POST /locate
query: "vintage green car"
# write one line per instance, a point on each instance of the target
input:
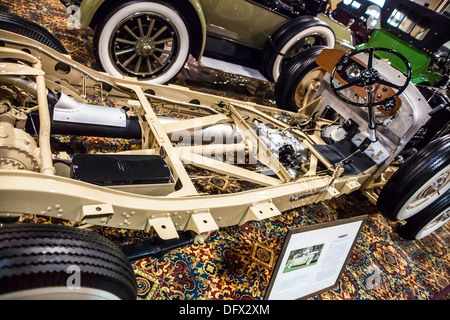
(151, 40)
(418, 33)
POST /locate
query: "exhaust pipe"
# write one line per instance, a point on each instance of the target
(70, 117)
(68, 110)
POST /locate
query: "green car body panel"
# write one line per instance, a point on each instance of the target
(87, 10)
(420, 60)
(344, 40)
(250, 24)
(416, 32)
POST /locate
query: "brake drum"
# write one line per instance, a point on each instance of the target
(18, 150)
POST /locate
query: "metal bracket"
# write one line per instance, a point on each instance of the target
(155, 246)
(331, 192)
(350, 186)
(96, 213)
(163, 226)
(259, 212)
(201, 221)
(371, 195)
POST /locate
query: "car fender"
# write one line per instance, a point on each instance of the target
(88, 8)
(201, 18)
(344, 39)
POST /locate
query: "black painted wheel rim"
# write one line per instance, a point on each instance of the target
(144, 45)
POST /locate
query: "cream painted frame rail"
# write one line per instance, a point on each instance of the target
(44, 193)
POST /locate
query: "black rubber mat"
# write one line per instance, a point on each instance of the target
(334, 153)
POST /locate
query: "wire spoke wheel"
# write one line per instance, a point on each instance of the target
(144, 45)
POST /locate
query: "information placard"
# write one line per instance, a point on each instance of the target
(312, 258)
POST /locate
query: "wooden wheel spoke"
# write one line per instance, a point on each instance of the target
(131, 32)
(163, 51)
(164, 41)
(124, 41)
(128, 61)
(160, 31)
(150, 28)
(121, 52)
(138, 64)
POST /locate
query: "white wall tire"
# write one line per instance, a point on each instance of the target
(434, 224)
(60, 293)
(299, 80)
(112, 49)
(428, 220)
(418, 183)
(291, 39)
(426, 194)
(322, 32)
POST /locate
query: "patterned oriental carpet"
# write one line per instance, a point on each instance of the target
(238, 262)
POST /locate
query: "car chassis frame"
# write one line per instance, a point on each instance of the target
(184, 209)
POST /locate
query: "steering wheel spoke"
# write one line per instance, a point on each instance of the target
(389, 84)
(353, 82)
(370, 62)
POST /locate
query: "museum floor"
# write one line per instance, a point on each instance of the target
(237, 262)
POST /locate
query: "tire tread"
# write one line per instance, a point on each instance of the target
(407, 180)
(36, 255)
(13, 23)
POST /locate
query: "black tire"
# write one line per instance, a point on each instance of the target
(120, 53)
(412, 187)
(286, 43)
(37, 257)
(428, 220)
(292, 75)
(13, 219)
(13, 23)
